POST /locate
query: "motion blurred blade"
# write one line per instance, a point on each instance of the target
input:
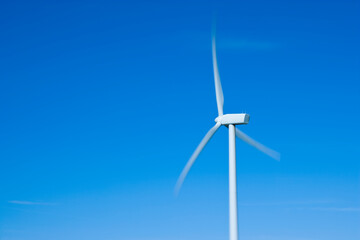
(193, 157)
(218, 88)
(257, 145)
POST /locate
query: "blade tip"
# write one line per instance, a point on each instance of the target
(177, 187)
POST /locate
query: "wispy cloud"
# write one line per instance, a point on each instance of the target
(29, 202)
(287, 203)
(315, 205)
(266, 237)
(338, 209)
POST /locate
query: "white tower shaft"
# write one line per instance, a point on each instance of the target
(233, 218)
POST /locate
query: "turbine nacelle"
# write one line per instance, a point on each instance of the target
(235, 119)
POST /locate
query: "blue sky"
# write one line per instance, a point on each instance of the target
(103, 102)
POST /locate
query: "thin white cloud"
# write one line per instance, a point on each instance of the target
(305, 205)
(285, 203)
(29, 203)
(266, 237)
(337, 209)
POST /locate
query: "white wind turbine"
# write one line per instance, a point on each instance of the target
(229, 121)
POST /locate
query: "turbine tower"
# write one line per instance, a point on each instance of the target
(229, 121)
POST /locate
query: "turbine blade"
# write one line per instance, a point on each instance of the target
(218, 88)
(257, 145)
(193, 157)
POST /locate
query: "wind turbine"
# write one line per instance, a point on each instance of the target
(229, 121)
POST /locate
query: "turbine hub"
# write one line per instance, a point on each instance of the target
(234, 119)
